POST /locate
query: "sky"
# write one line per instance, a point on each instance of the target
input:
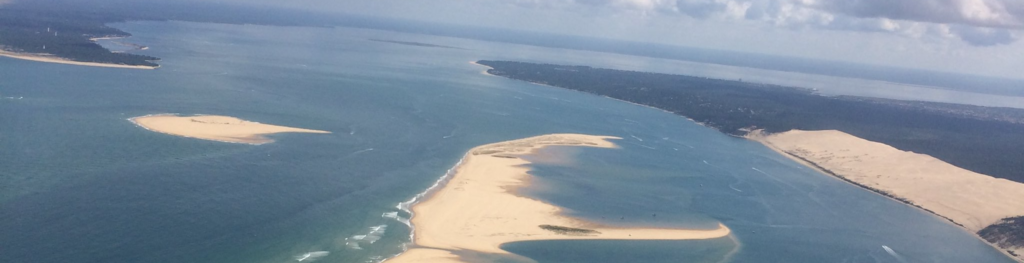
(967, 36)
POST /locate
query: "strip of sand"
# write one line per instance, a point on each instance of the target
(477, 211)
(971, 200)
(482, 65)
(214, 128)
(42, 57)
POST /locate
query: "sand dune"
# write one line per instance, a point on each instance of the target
(215, 128)
(476, 210)
(969, 199)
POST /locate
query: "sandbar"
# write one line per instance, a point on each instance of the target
(43, 57)
(214, 128)
(477, 210)
(969, 199)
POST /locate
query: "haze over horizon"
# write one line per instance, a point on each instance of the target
(978, 37)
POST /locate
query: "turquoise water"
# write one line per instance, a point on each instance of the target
(79, 183)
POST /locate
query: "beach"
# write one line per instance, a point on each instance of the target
(53, 59)
(968, 199)
(215, 128)
(484, 72)
(478, 209)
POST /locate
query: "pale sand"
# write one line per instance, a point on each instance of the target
(477, 211)
(215, 128)
(482, 65)
(969, 199)
(54, 59)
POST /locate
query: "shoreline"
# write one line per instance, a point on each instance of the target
(214, 128)
(902, 194)
(42, 57)
(484, 72)
(474, 209)
(626, 101)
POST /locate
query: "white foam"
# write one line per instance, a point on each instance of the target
(407, 205)
(374, 234)
(396, 217)
(311, 256)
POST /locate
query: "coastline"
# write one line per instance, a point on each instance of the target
(214, 128)
(473, 210)
(938, 209)
(484, 72)
(966, 199)
(626, 101)
(54, 59)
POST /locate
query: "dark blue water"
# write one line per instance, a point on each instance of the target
(80, 183)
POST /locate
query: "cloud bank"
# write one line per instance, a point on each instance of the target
(976, 22)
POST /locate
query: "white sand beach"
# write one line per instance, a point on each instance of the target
(478, 211)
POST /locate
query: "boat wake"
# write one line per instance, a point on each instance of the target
(311, 256)
(893, 254)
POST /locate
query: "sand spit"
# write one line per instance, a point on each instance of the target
(43, 57)
(214, 128)
(477, 211)
(484, 72)
(971, 200)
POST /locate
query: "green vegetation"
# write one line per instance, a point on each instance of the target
(561, 230)
(65, 27)
(1007, 233)
(981, 139)
(32, 31)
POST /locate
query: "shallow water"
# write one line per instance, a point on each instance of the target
(80, 183)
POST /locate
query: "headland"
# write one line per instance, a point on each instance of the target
(49, 58)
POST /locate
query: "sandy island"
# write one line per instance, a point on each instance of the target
(43, 57)
(971, 200)
(477, 210)
(214, 128)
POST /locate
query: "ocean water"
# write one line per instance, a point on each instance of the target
(80, 183)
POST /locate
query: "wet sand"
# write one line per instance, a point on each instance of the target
(477, 210)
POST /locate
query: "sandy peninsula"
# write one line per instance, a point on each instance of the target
(971, 200)
(43, 57)
(214, 128)
(486, 68)
(477, 210)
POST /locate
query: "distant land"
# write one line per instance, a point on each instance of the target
(418, 44)
(63, 31)
(980, 139)
(82, 20)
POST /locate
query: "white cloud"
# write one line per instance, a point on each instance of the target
(977, 22)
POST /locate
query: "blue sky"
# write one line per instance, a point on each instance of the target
(967, 36)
